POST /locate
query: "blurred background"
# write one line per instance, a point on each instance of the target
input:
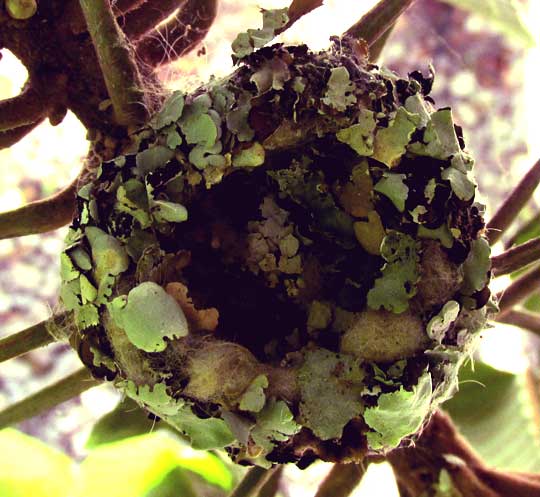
(487, 64)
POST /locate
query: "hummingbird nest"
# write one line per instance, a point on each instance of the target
(289, 262)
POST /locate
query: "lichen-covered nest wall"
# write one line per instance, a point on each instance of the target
(289, 262)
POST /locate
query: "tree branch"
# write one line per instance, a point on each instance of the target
(271, 487)
(73, 16)
(440, 447)
(120, 72)
(40, 216)
(24, 341)
(51, 396)
(378, 20)
(145, 19)
(526, 320)
(523, 229)
(516, 258)
(9, 138)
(521, 288)
(180, 35)
(252, 482)
(24, 109)
(341, 481)
(510, 208)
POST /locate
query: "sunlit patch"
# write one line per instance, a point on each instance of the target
(504, 347)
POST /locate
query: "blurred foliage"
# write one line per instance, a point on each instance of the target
(504, 15)
(149, 465)
(494, 410)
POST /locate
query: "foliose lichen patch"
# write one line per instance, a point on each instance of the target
(288, 262)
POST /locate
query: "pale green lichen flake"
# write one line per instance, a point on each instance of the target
(398, 414)
(339, 90)
(476, 267)
(399, 275)
(253, 398)
(359, 136)
(392, 186)
(148, 314)
(391, 142)
(330, 386)
(170, 112)
(108, 254)
(439, 324)
(275, 423)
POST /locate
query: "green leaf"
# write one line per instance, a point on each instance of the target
(398, 414)
(132, 467)
(399, 275)
(476, 267)
(339, 90)
(331, 386)
(170, 112)
(390, 143)
(29, 467)
(175, 483)
(392, 186)
(148, 315)
(126, 420)
(506, 16)
(359, 136)
(495, 411)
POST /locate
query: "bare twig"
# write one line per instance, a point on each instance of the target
(516, 258)
(51, 396)
(510, 208)
(9, 138)
(145, 19)
(378, 20)
(24, 341)
(179, 35)
(533, 223)
(40, 216)
(122, 78)
(526, 320)
(341, 481)
(24, 109)
(520, 289)
(252, 482)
